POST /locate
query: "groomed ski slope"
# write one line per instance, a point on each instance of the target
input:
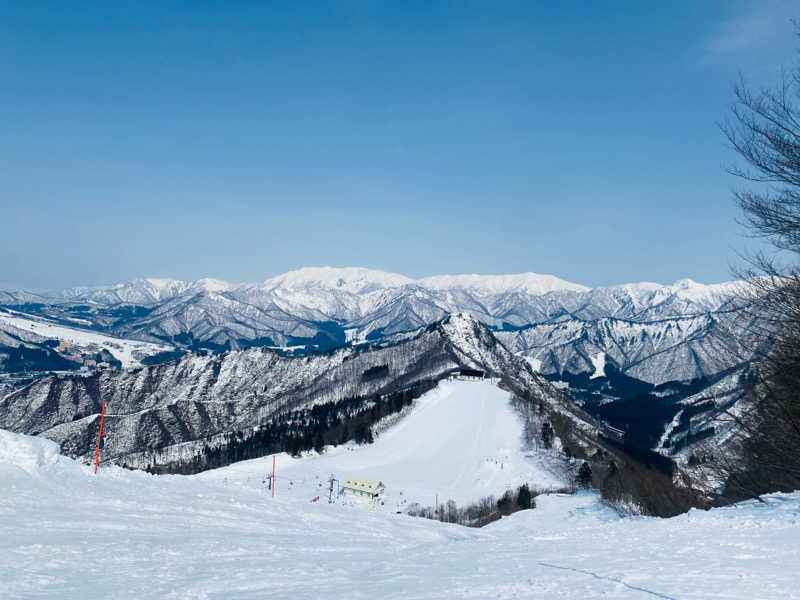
(68, 534)
(462, 441)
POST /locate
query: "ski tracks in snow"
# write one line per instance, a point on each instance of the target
(607, 578)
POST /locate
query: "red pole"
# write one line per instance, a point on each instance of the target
(272, 482)
(99, 435)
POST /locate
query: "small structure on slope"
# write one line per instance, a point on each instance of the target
(362, 486)
(468, 375)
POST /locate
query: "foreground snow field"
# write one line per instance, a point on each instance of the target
(462, 441)
(123, 534)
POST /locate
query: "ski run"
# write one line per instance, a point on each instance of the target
(125, 534)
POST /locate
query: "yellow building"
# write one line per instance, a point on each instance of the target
(362, 486)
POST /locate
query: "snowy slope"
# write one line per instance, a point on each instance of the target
(121, 534)
(140, 291)
(128, 352)
(532, 283)
(462, 441)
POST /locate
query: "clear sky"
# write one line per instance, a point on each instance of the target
(239, 140)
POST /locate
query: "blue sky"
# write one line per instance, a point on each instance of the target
(239, 140)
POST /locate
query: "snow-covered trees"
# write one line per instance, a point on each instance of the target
(524, 497)
(584, 476)
(547, 435)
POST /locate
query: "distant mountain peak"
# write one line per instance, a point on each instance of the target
(352, 279)
(686, 283)
(361, 280)
(532, 283)
(212, 285)
(158, 282)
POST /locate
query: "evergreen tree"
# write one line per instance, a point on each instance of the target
(504, 505)
(584, 478)
(547, 435)
(319, 443)
(524, 497)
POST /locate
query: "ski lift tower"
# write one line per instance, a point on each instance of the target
(330, 490)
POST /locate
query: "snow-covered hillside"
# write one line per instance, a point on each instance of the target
(678, 349)
(122, 534)
(161, 408)
(139, 291)
(462, 441)
(128, 352)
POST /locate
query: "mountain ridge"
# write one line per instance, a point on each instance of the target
(319, 308)
(348, 278)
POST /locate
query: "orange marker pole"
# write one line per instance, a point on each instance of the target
(273, 476)
(99, 435)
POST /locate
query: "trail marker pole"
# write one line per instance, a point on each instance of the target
(99, 436)
(272, 481)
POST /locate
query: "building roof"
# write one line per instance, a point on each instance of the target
(362, 484)
(471, 373)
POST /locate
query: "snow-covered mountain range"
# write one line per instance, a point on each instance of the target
(325, 307)
(353, 293)
(606, 343)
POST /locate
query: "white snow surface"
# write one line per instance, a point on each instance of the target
(351, 279)
(360, 280)
(69, 534)
(599, 364)
(535, 363)
(128, 352)
(462, 441)
(531, 283)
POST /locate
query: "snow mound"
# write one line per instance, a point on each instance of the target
(556, 513)
(33, 455)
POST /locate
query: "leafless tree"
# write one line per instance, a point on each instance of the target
(764, 129)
